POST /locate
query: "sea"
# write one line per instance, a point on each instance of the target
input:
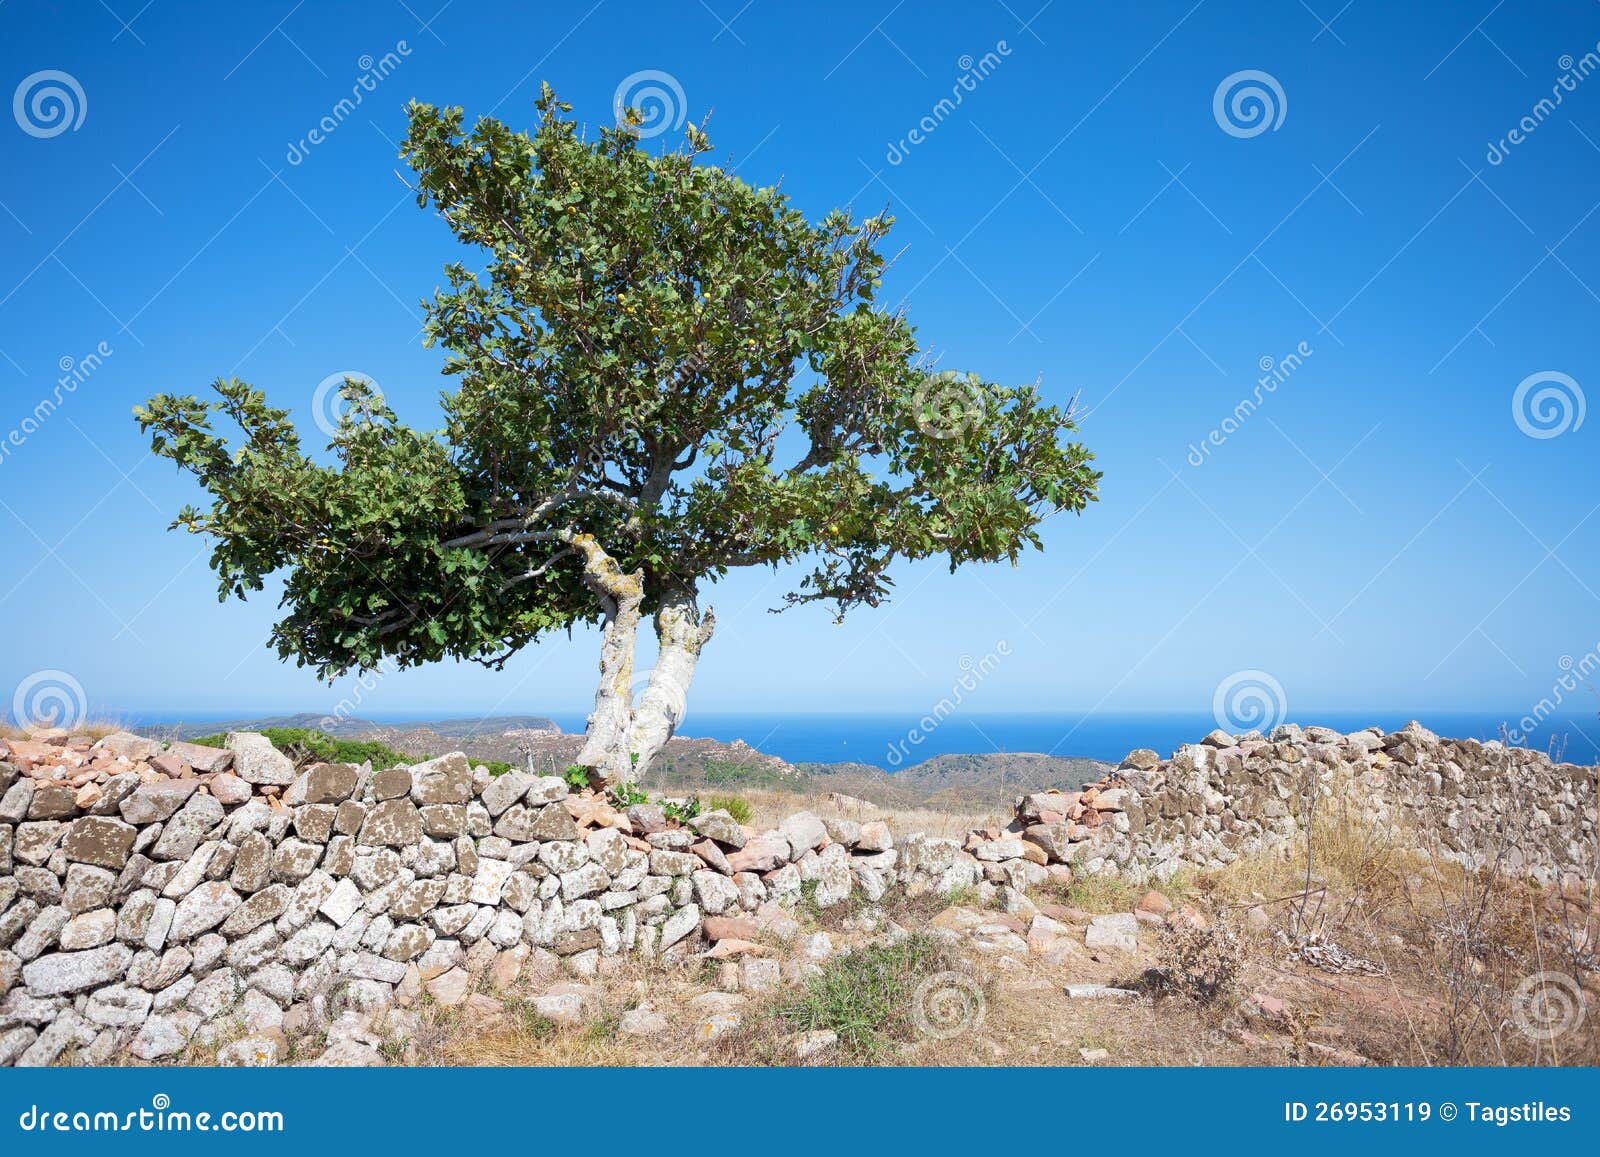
(896, 740)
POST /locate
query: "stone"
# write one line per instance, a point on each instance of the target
(804, 831)
(664, 863)
(87, 888)
(348, 1054)
(313, 822)
(88, 930)
(996, 851)
(395, 823)
(203, 759)
(589, 879)
(229, 789)
(323, 783)
(1099, 992)
(391, 783)
(256, 761)
(260, 1050)
(679, 925)
(709, 1028)
(445, 821)
(445, 780)
(642, 1021)
(720, 826)
(765, 853)
(266, 905)
(834, 880)
(547, 789)
(714, 892)
(133, 748)
(489, 881)
(63, 973)
(39, 930)
(450, 988)
(874, 837)
(1055, 839)
(203, 909)
(34, 842)
(342, 902)
(53, 801)
(505, 790)
(554, 822)
(156, 802)
(809, 1044)
(98, 840)
(1154, 902)
(1118, 932)
(759, 975)
(646, 818)
(118, 1006)
(185, 831)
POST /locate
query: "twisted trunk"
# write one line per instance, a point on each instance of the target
(623, 736)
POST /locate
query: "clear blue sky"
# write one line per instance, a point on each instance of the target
(1380, 532)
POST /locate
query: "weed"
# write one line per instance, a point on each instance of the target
(733, 805)
(866, 996)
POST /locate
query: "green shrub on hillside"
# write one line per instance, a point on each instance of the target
(732, 804)
(304, 746)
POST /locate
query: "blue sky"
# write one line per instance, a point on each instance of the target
(1380, 532)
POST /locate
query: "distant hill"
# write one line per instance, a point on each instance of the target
(355, 728)
(955, 783)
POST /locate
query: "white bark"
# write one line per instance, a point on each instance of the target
(681, 631)
(623, 737)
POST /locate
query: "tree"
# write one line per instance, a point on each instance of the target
(662, 373)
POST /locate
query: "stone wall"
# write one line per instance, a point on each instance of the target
(155, 895)
(150, 892)
(1482, 804)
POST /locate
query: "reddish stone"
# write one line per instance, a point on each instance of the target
(170, 764)
(729, 928)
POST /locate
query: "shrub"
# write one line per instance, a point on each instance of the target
(304, 746)
(870, 996)
(1200, 963)
(733, 805)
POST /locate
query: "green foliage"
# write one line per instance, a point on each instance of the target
(682, 810)
(866, 995)
(732, 804)
(303, 746)
(577, 776)
(654, 360)
(628, 794)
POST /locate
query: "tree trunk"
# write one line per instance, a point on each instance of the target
(681, 631)
(624, 737)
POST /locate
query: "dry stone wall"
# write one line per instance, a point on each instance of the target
(1481, 804)
(153, 895)
(144, 901)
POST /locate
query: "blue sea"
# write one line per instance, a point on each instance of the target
(894, 740)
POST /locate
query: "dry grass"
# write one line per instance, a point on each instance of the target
(97, 728)
(768, 808)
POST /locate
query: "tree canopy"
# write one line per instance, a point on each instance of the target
(661, 373)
